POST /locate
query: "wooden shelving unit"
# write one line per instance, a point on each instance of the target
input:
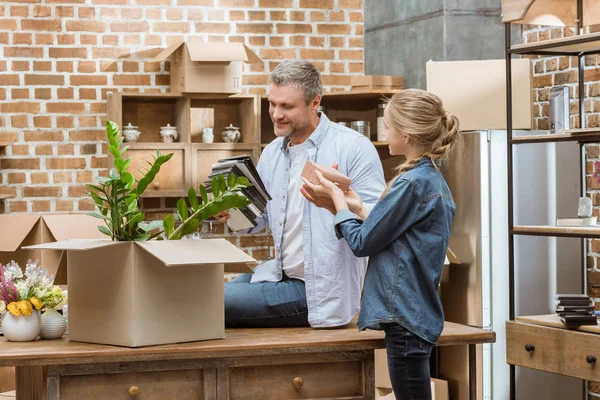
(532, 12)
(192, 159)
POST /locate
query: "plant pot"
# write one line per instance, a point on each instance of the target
(54, 325)
(21, 328)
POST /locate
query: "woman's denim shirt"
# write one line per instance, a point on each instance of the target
(406, 237)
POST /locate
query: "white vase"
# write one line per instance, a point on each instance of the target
(21, 328)
(54, 325)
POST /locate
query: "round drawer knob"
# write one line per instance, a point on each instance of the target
(590, 359)
(156, 185)
(529, 347)
(134, 391)
(297, 382)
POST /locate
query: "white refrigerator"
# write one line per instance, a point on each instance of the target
(547, 185)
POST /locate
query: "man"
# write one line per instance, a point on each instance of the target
(314, 279)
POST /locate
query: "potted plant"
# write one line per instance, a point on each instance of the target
(117, 198)
(22, 296)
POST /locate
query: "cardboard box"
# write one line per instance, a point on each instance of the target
(332, 174)
(439, 391)
(475, 91)
(376, 81)
(147, 293)
(202, 67)
(21, 230)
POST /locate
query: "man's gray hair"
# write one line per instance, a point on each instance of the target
(300, 73)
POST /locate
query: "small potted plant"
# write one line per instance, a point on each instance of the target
(22, 296)
(117, 197)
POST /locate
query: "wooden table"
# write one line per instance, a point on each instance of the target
(542, 342)
(247, 364)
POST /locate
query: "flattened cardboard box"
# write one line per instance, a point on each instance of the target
(147, 293)
(31, 229)
(475, 91)
(202, 67)
(382, 81)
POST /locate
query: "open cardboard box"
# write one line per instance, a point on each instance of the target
(21, 230)
(147, 293)
(202, 67)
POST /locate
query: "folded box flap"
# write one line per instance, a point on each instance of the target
(220, 52)
(163, 55)
(75, 244)
(195, 252)
(451, 258)
(73, 226)
(20, 225)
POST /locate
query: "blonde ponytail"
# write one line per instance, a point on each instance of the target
(421, 116)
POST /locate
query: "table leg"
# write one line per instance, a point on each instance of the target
(472, 372)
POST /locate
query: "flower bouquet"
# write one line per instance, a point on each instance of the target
(23, 296)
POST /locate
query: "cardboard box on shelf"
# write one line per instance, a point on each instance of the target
(475, 92)
(382, 82)
(202, 67)
(31, 229)
(439, 391)
(147, 293)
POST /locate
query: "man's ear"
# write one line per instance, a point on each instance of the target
(315, 103)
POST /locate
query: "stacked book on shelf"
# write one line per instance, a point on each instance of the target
(576, 310)
(257, 193)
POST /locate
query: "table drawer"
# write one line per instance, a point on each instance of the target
(556, 350)
(297, 381)
(163, 385)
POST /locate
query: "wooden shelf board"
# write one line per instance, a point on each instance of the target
(149, 193)
(574, 45)
(155, 146)
(558, 231)
(570, 135)
(150, 96)
(553, 320)
(359, 94)
(224, 146)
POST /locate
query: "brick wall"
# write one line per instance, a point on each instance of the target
(553, 71)
(60, 57)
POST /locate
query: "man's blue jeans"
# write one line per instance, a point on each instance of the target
(265, 304)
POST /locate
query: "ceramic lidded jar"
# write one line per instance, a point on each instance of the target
(130, 133)
(231, 134)
(168, 133)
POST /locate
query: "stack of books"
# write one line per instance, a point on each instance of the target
(575, 310)
(257, 193)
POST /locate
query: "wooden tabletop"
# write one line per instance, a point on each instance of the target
(237, 342)
(553, 321)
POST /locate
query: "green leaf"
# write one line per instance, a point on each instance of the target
(193, 198)
(96, 215)
(222, 184)
(141, 186)
(103, 180)
(231, 181)
(169, 224)
(182, 210)
(115, 152)
(128, 179)
(152, 225)
(190, 227)
(203, 194)
(243, 181)
(114, 174)
(104, 230)
(216, 188)
(120, 164)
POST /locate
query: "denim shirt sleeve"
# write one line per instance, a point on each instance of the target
(391, 217)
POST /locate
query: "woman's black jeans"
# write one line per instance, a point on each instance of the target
(408, 363)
